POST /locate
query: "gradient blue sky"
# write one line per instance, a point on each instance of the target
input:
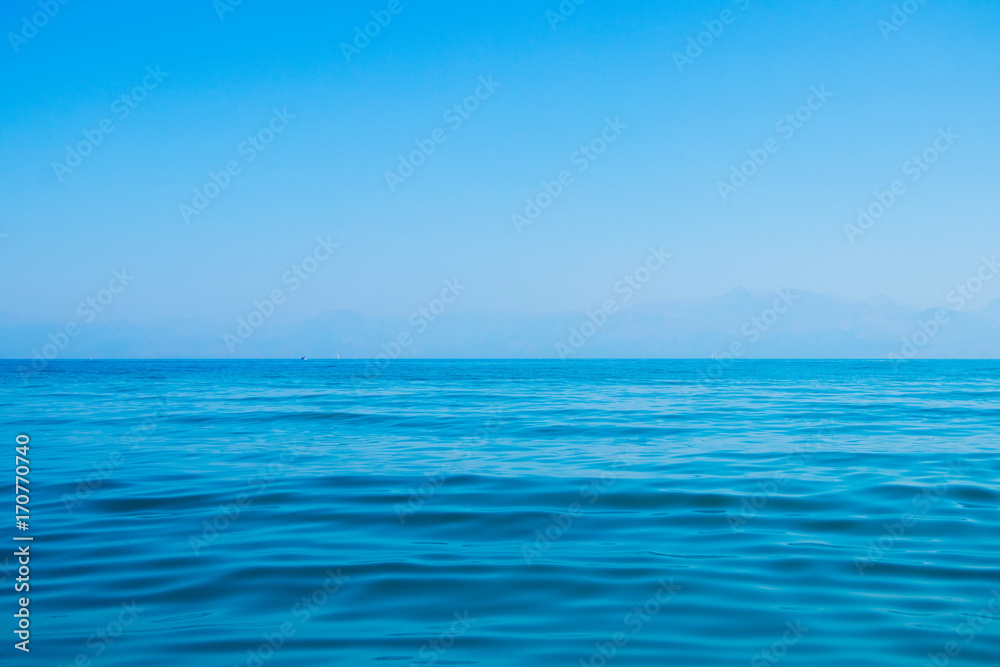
(656, 185)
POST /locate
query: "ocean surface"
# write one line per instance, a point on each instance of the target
(507, 513)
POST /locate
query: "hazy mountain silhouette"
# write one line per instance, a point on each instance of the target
(744, 323)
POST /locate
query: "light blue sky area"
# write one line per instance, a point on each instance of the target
(308, 133)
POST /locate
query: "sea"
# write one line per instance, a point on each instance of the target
(484, 512)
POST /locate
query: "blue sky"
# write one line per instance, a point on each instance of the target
(344, 122)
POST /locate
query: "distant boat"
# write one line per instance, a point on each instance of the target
(302, 358)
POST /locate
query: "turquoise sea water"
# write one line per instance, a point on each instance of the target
(508, 513)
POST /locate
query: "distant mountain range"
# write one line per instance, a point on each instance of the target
(742, 323)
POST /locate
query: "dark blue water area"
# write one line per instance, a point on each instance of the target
(506, 512)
